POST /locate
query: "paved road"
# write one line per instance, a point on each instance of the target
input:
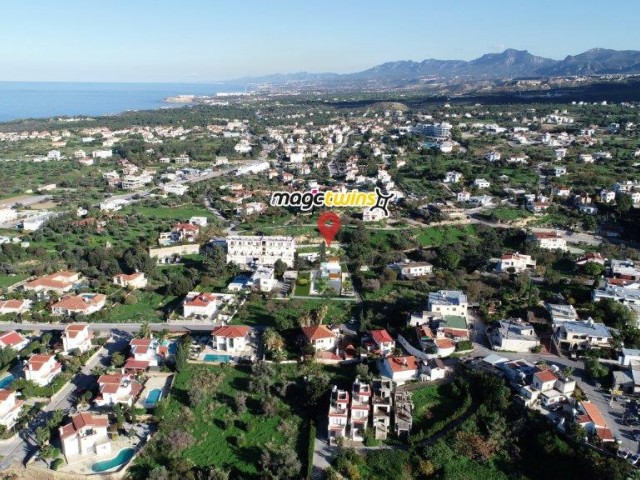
(124, 327)
(17, 449)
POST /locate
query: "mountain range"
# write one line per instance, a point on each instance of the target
(508, 64)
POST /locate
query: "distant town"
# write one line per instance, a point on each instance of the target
(160, 318)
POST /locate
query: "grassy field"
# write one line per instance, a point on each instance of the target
(507, 214)
(8, 280)
(148, 307)
(234, 445)
(263, 312)
(436, 236)
(433, 403)
(183, 213)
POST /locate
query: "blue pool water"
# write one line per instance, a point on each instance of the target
(6, 381)
(153, 396)
(211, 357)
(173, 346)
(123, 457)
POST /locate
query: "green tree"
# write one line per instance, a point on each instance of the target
(624, 203)
(593, 269)
(117, 360)
(279, 268)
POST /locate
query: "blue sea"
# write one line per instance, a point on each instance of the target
(19, 100)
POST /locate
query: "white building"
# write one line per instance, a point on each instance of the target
(260, 250)
(338, 415)
(175, 189)
(200, 305)
(481, 183)
(320, 337)
(41, 369)
(372, 215)
(448, 302)
(14, 340)
(384, 342)
(102, 154)
(230, 338)
(134, 280)
(85, 435)
(514, 335)
(574, 336)
(10, 408)
(331, 272)
(253, 169)
(516, 261)
(550, 241)
(76, 336)
(359, 410)
(14, 306)
(264, 279)
(400, 369)
(452, 177)
(438, 131)
(59, 282)
(463, 196)
(117, 388)
(85, 303)
(410, 270)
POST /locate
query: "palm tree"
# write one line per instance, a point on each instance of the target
(145, 330)
(272, 340)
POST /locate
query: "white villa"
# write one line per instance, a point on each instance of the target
(85, 435)
(10, 408)
(42, 369)
(230, 338)
(76, 336)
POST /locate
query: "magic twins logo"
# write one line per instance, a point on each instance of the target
(305, 201)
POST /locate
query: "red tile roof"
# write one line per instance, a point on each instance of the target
(316, 332)
(80, 421)
(230, 331)
(402, 364)
(4, 394)
(445, 343)
(133, 364)
(545, 376)
(130, 277)
(202, 300)
(72, 330)
(77, 302)
(11, 339)
(11, 304)
(595, 415)
(380, 336)
(36, 361)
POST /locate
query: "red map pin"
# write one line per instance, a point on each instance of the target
(328, 224)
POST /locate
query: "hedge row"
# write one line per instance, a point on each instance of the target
(311, 448)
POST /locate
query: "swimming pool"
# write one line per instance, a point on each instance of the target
(123, 457)
(212, 357)
(172, 346)
(153, 396)
(6, 381)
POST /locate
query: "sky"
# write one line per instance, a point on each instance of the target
(215, 40)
